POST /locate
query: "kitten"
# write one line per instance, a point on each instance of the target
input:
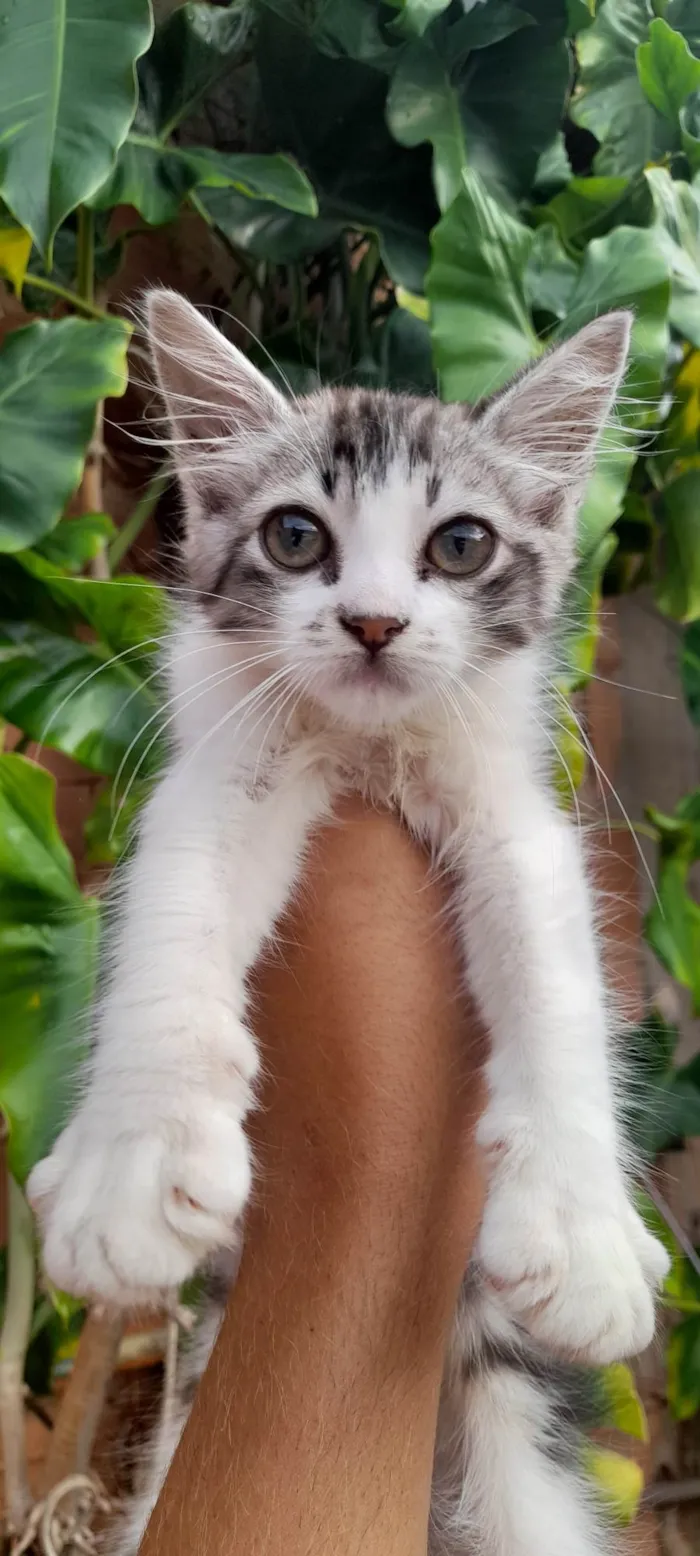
(374, 584)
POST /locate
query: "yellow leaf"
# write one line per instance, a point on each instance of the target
(15, 248)
(570, 761)
(688, 392)
(418, 306)
(624, 1407)
(620, 1481)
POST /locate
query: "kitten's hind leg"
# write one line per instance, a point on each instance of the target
(508, 1480)
(124, 1539)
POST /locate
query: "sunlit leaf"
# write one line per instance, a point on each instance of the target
(624, 1408)
(619, 1481)
(15, 248)
(668, 72)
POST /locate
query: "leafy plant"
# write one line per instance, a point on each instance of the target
(418, 193)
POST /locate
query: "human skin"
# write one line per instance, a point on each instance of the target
(314, 1425)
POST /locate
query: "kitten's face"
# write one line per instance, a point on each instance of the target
(382, 548)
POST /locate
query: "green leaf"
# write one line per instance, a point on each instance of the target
(677, 207)
(265, 231)
(690, 669)
(48, 942)
(126, 612)
(77, 541)
(505, 147)
(580, 14)
(481, 326)
(619, 1481)
(67, 98)
(550, 274)
(15, 248)
(649, 1050)
(110, 827)
(571, 758)
(405, 353)
(682, 1284)
(76, 698)
(36, 868)
(662, 1106)
(416, 15)
(352, 31)
(155, 178)
(673, 924)
(590, 207)
(683, 1363)
(434, 90)
(51, 378)
(623, 1407)
(553, 169)
(273, 178)
(678, 1110)
(192, 49)
(609, 100)
(582, 606)
(680, 435)
(329, 114)
(423, 105)
(689, 119)
(668, 72)
(625, 269)
(678, 587)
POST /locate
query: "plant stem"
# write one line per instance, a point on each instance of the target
(91, 484)
(126, 537)
(91, 491)
(666, 1493)
(77, 1421)
(14, 1340)
(86, 254)
(80, 304)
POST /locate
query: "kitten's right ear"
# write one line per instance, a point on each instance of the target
(210, 389)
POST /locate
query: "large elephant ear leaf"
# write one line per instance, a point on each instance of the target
(67, 98)
(480, 319)
(48, 956)
(52, 376)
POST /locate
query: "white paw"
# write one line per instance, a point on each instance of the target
(129, 1210)
(577, 1269)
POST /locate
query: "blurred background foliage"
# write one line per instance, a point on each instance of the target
(420, 194)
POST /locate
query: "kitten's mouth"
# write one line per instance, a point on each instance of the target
(373, 673)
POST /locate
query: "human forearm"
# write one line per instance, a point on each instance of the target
(314, 1424)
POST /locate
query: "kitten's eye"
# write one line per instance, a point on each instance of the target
(295, 539)
(461, 547)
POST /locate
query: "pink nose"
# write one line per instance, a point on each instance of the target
(373, 632)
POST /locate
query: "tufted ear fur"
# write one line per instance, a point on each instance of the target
(213, 395)
(548, 422)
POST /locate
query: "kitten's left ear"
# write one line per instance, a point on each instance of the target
(548, 423)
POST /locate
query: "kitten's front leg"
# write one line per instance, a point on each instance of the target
(153, 1171)
(561, 1239)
